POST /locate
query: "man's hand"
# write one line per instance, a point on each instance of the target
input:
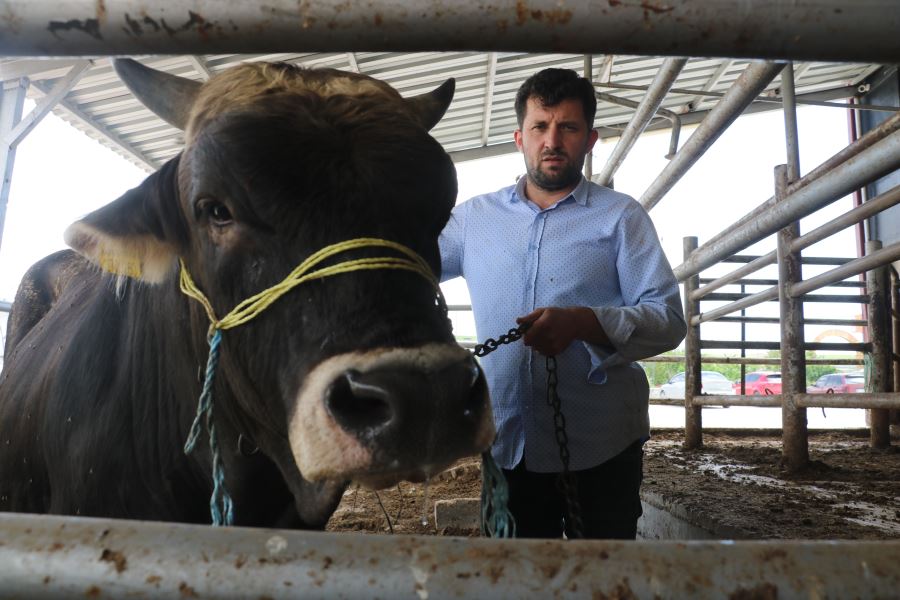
(554, 328)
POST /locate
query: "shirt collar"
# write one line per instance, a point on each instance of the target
(579, 194)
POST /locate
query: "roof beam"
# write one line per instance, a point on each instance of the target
(351, 58)
(488, 97)
(199, 64)
(46, 104)
(709, 85)
(115, 142)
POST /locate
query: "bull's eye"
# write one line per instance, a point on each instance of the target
(216, 212)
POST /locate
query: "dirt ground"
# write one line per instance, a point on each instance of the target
(849, 491)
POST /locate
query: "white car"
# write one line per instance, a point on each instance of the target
(711, 382)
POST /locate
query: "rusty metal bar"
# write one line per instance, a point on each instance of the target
(812, 30)
(693, 416)
(880, 401)
(872, 260)
(751, 267)
(879, 336)
(879, 159)
(737, 360)
(795, 445)
(851, 217)
(52, 557)
(648, 107)
(880, 132)
(751, 300)
(753, 80)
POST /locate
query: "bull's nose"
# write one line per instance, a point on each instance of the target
(407, 401)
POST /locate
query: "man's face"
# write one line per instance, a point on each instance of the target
(554, 141)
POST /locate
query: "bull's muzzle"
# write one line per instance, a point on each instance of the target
(391, 414)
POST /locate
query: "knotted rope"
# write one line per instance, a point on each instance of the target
(221, 505)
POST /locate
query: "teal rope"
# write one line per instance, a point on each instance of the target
(221, 506)
(496, 520)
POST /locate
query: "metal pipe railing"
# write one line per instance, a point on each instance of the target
(812, 30)
(880, 132)
(671, 116)
(877, 160)
(648, 107)
(862, 400)
(855, 267)
(753, 80)
(44, 556)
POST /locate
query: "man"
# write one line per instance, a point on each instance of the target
(584, 266)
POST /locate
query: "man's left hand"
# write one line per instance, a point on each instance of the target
(554, 328)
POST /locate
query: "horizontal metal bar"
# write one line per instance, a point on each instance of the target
(879, 159)
(878, 133)
(747, 360)
(771, 282)
(737, 400)
(807, 260)
(850, 322)
(745, 302)
(838, 298)
(752, 266)
(865, 263)
(814, 30)
(861, 400)
(851, 217)
(50, 556)
(724, 344)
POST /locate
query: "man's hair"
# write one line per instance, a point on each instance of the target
(552, 86)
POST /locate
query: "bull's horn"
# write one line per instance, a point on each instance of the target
(170, 97)
(431, 107)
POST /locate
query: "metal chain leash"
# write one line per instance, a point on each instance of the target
(566, 483)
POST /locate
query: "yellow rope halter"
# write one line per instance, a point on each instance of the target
(254, 305)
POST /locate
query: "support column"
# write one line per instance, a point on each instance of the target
(12, 99)
(791, 137)
(794, 441)
(880, 338)
(693, 415)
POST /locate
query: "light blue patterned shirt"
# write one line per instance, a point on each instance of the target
(596, 248)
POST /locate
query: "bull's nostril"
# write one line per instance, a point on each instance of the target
(357, 405)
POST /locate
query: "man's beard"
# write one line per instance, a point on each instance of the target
(559, 180)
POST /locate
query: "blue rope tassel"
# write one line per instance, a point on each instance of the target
(496, 520)
(221, 506)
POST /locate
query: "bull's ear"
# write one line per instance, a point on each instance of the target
(430, 107)
(170, 97)
(137, 234)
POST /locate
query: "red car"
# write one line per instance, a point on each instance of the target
(759, 383)
(839, 383)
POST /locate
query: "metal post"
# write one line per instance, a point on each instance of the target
(795, 445)
(693, 415)
(752, 81)
(12, 99)
(894, 415)
(589, 75)
(790, 123)
(879, 337)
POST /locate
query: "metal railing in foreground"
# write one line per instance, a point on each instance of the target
(48, 556)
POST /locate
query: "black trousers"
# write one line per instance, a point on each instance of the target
(609, 495)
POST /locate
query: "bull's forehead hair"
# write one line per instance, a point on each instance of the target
(241, 86)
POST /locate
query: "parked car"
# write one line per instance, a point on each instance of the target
(711, 382)
(839, 383)
(759, 383)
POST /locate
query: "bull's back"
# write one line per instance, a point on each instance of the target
(40, 290)
(49, 303)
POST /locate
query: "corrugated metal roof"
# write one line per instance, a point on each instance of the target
(103, 108)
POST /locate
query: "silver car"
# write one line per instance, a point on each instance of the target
(711, 382)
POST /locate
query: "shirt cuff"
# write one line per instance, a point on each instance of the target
(616, 324)
(601, 361)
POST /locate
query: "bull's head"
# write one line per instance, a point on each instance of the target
(356, 376)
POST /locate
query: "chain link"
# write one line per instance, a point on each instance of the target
(566, 482)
